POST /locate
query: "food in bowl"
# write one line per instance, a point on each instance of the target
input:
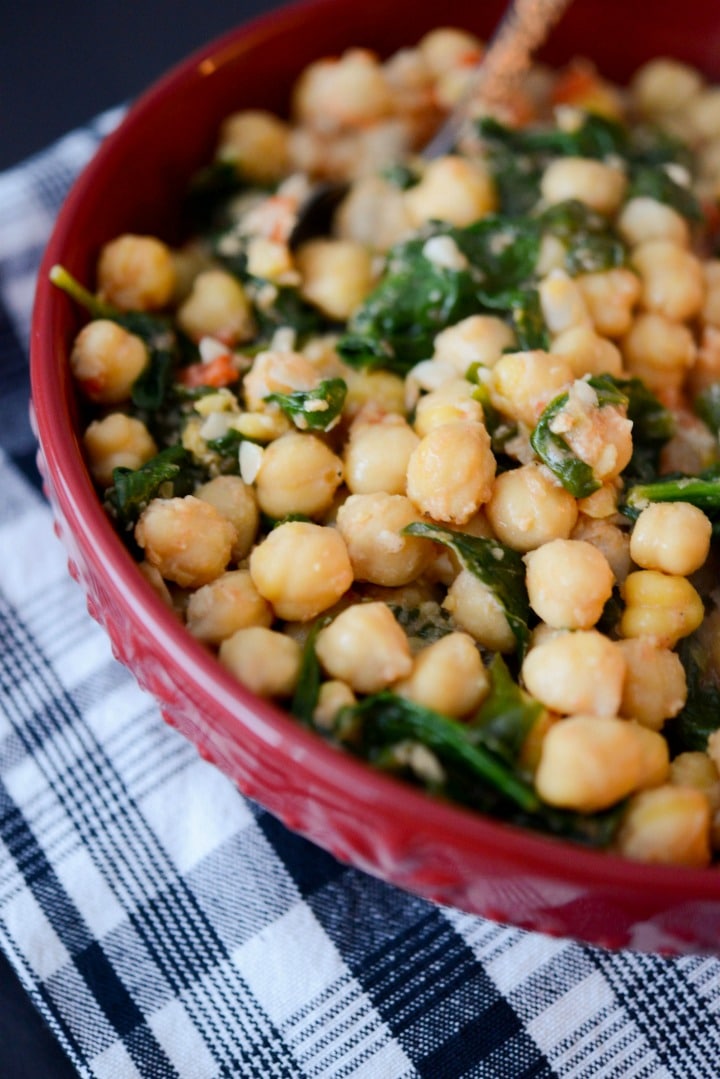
(443, 478)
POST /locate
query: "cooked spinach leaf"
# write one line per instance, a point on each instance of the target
(700, 716)
(314, 410)
(500, 568)
(591, 245)
(418, 296)
(656, 183)
(702, 491)
(307, 689)
(707, 407)
(507, 715)
(574, 474)
(168, 474)
(385, 718)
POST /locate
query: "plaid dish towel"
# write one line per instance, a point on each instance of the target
(165, 926)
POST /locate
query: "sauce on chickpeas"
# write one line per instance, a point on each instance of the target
(444, 481)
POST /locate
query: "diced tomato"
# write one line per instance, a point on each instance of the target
(574, 84)
(219, 372)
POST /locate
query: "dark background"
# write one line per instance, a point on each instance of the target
(61, 63)
(64, 61)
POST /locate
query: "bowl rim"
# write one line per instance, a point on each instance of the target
(558, 860)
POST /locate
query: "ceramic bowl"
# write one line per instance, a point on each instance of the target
(368, 819)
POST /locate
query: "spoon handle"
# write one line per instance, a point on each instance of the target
(522, 29)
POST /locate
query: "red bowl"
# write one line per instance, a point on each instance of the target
(135, 183)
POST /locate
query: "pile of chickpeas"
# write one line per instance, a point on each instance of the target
(417, 448)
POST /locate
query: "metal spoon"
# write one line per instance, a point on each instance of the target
(522, 29)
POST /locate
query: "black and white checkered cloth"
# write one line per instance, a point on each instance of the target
(165, 926)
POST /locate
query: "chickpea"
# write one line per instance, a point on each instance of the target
(661, 607)
(475, 609)
(450, 473)
(477, 339)
(523, 383)
(663, 85)
(610, 297)
(136, 273)
(644, 219)
(256, 141)
(230, 602)
(587, 352)
(447, 47)
(349, 92)
(672, 278)
(692, 448)
(236, 502)
(711, 308)
(217, 307)
(589, 763)
(601, 503)
(298, 473)
(371, 526)
(186, 539)
(448, 676)
(373, 213)
(610, 540)
(105, 360)
(376, 455)
(117, 441)
(379, 388)
(669, 825)
(332, 696)
(569, 582)
(562, 302)
(655, 688)
(659, 351)
(301, 569)
(336, 275)
(528, 507)
(265, 661)
(365, 647)
(452, 402)
(600, 436)
(452, 189)
(702, 113)
(277, 371)
(580, 672)
(599, 186)
(673, 537)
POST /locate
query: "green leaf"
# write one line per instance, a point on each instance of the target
(595, 137)
(385, 718)
(288, 309)
(400, 176)
(700, 717)
(417, 298)
(307, 690)
(591, 245)
(653, 426)
(500, 568)
(209, 191)
(707, 407)
(507, 715)
(150, 389)
(168, 473)
(317, 409)
(575, 475)
(656, 183)
(702, 491)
